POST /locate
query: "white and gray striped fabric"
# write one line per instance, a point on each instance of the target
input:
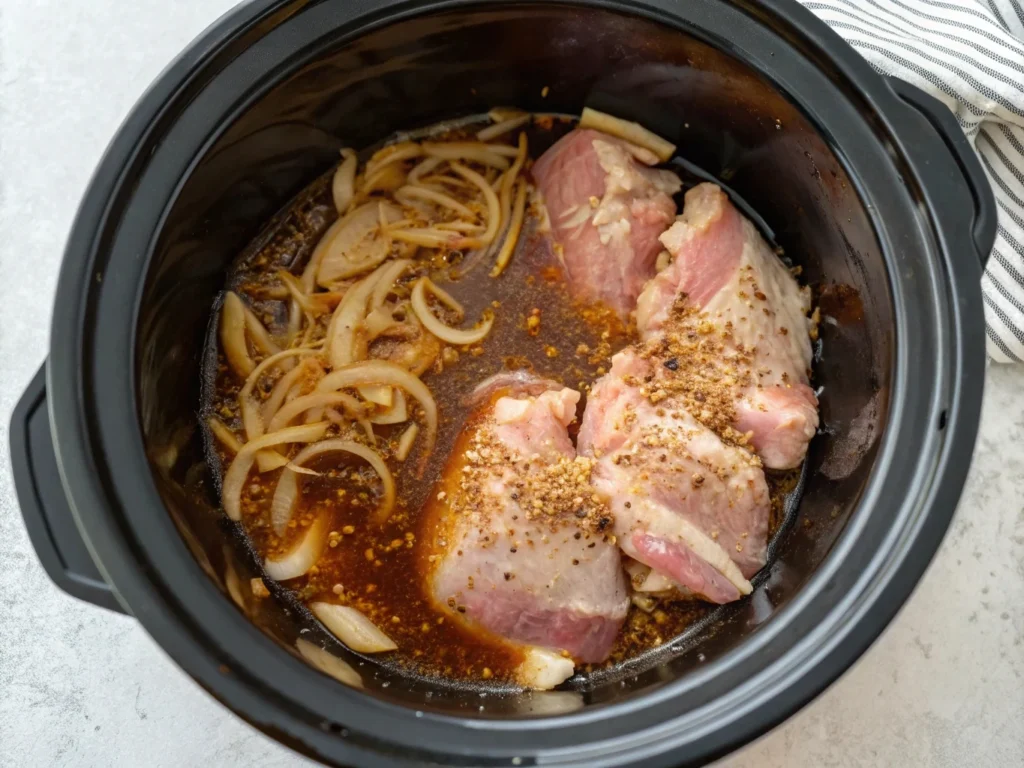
(970, 55)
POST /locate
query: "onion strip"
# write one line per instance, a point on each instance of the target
(303, 555)
(281, 389)
(493, 206)
(232, 335)
(352, 628)
(627, 130)
(405, 442)
(252, 420)
(392, 154)
(424, 167)
(235, 477)
(501, 128)
(300, 405)
(444, 332)
(514, 228)
(342, 344)
(382, 372)
(260, 337)
(343, 184)
(224, 436)
(328, 663)
(485, 154)
(440, 198)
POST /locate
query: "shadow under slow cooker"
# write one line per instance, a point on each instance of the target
(725, 118)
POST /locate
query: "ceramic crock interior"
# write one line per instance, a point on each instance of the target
(724, 116)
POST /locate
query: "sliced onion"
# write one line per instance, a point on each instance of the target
(381, 372)
(343, 184)
(514, 228)
(252, 420)
(258, 333)
(542, 669)
(352, 628)
(493, 206)
(432, 238)
(233, 584)
(341, 338)
(234, 478)
(500, 114)
(312, 304)
(268, 461)
(502, 127)
(224, 436)
(377, 394)
(386, 179)
(396, 413)
(424, 167)
(460, 226)
(386, 282)
(394, 153)
(328, 663)
(282, 506)
(433, 196)
(283, 386)
(478, 152)
(354, 244)
(232, 335)
(406, 441)
(303, 403)
(632, 132)
(303, 555)
(444, 332)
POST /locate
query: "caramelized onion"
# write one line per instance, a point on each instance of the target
(303, 556)
(328, 663)
(444, 332)
(629, 131)
(381, 372)
(512, 236)
(232, 335)
(352, 628)
(302, 404)
(343, 184)
(234, 478)
(493, 206)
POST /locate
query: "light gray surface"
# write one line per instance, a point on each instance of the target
(80, 686)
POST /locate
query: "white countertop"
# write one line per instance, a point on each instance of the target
(80, 686)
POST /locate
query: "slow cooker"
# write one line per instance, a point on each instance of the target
(866, 183)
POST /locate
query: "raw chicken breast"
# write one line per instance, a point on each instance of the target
(520, 547)
(726, 287)
(691, 507)
(607, 209)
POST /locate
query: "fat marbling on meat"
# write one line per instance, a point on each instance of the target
(607, 207)
(520, 546)
(728, 289)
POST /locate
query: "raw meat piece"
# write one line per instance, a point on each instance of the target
(688, 505)
(728, 305)
(607, 209)
(520, 547)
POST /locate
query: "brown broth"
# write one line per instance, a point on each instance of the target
(380, 569)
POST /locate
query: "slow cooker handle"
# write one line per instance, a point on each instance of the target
(983, 230)
(48, 517)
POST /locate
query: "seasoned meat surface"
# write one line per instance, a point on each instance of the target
(522, 549)
(607, 208)
(726, 285)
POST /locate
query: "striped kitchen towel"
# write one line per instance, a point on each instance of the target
(970, 55)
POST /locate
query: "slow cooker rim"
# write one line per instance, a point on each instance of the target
(153, 99)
